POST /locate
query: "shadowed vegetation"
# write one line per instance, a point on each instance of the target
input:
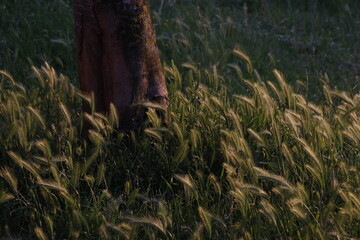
(263, 135)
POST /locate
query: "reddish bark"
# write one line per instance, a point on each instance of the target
(118, 58)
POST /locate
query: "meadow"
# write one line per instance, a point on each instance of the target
(263, 139)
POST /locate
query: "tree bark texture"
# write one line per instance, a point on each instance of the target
(118, 59)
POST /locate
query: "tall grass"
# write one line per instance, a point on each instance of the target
(247, 154)
(266, 164)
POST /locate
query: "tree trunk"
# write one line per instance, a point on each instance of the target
(118, 58)
(142, 55)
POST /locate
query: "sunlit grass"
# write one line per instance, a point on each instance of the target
(265, 163)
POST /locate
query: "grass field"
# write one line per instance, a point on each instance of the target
(263, 139)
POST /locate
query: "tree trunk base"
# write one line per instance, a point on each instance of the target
(118, 58)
